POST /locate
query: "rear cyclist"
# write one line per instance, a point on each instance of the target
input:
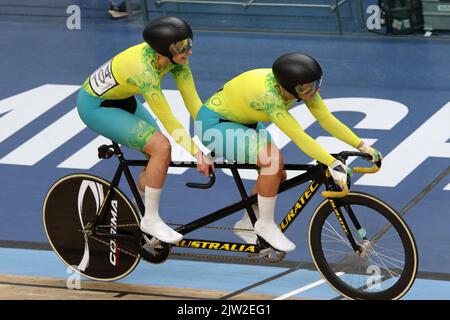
(262, 95)
(107, 104)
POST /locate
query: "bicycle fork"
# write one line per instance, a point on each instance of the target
(345, 227)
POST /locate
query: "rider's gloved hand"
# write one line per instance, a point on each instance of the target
(376, 155)
(339, 172)
(203, 163)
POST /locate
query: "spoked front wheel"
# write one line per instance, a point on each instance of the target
(386, 262)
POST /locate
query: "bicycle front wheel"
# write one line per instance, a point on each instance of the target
(384, 267)
(71, 207)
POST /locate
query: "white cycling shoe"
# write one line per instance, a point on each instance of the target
(157, 228)
(273, 235)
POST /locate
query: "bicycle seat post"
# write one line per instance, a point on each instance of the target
(118, 152)
(126, 171)
(116, 148)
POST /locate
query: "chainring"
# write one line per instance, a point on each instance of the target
(153, 250)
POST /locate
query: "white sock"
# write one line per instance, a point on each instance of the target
(152, 223)
(152, 197)
(266, 227)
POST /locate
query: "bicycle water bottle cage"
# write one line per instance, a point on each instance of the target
(105, 152)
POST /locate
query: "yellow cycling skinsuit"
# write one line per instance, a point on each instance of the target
(254, 97)
(107, 105)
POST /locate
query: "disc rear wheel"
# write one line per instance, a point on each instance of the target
(69, 212)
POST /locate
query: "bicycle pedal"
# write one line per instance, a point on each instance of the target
(266, 252)
(263, 249)
(272, 255)
(153, 243)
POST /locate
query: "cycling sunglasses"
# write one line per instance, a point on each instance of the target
(303, 89)
(180, 46)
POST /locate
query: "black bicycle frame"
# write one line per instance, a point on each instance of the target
(314, 173)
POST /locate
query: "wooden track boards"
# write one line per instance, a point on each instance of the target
(39, 288)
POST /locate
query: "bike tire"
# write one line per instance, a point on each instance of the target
(70, 204)
(318, 238)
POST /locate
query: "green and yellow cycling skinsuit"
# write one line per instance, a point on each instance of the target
(107, 105)
(254, 97)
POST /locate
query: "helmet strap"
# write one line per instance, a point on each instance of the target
(292, 93)
(171, 60)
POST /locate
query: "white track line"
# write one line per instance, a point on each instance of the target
(305, 288)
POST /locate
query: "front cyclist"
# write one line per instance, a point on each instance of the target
(107, 104)
(239, 108)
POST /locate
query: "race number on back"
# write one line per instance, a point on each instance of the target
(103, 79)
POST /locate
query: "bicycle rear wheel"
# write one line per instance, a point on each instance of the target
(70, 205)
(387, 264)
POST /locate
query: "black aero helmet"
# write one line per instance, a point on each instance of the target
(294, 69)
(164, 31)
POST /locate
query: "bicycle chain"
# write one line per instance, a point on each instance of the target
(229, 258)
(107, 244)
(119, 225)
(214, 227)
(179, 225)
(258, 259)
